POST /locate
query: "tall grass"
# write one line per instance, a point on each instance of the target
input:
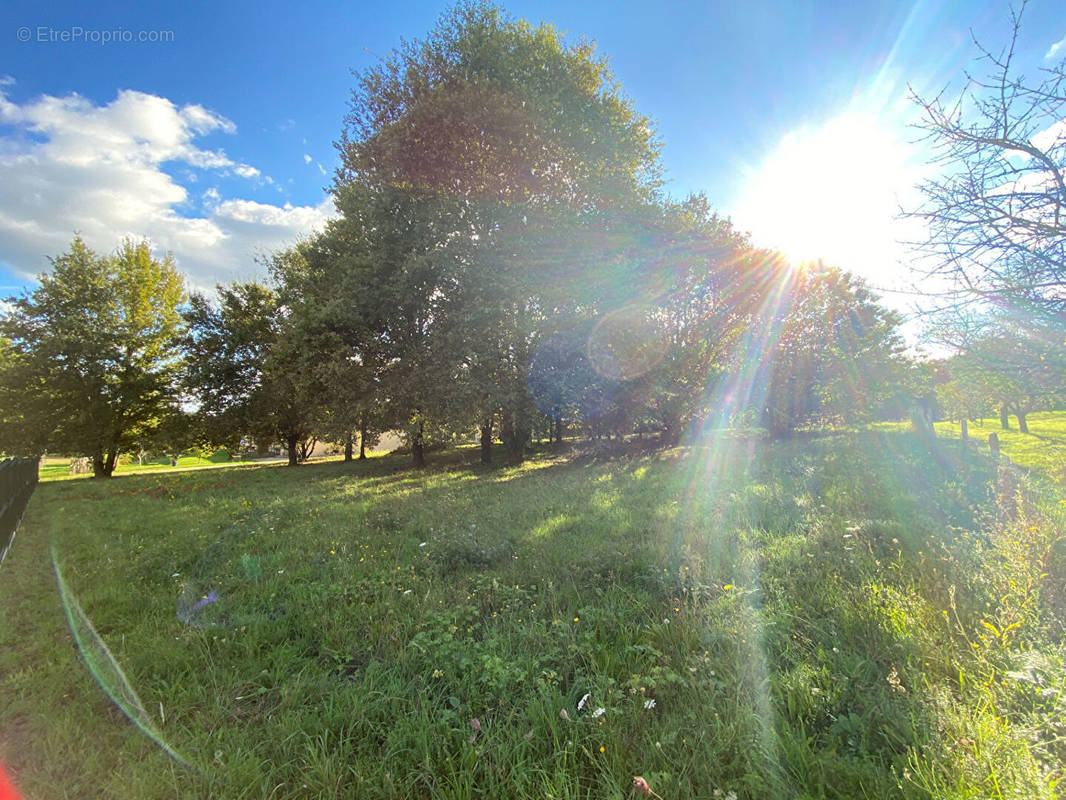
(845, 616)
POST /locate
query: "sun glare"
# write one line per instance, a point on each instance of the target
(831, 193)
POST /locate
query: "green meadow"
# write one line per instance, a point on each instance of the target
(1042, 449)
(848, 615)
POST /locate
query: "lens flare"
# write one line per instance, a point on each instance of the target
(103, 666)
(626, 343)
(218, 589)
(560, 378)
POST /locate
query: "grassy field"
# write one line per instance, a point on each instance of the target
(1043, 448)
(54, 469)
(842, 616)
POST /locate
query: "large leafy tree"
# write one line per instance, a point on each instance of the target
(248, 372)
(834, 355)
(333, 312)
(91, 355)
(515, 148)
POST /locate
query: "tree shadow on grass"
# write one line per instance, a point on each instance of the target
(681, 560)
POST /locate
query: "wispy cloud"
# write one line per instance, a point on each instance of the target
(1057, 49)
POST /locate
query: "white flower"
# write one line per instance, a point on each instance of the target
(649, 705)
(407, 592)
(599, 712)
(423, 544)
(583, 700)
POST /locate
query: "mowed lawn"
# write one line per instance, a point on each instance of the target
(1043, 448)
(841, 616)
(54, 469)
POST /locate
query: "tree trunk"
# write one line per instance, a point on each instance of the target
(1023, 426)
(292, 443)
(1004, 417)
(307, 447)
(348, 446)
(514, 435)
(558, 429)
(362, 438)
(486, 441)
(98, 466)
(965, 431)
(418, 447)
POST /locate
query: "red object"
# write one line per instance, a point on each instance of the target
(7, 788)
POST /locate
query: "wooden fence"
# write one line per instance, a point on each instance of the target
(18, 479)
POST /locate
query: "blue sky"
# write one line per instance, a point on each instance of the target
(218, 143)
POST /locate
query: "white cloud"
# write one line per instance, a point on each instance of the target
(287, 216)
(1056, 49)
(307, 158)
(70, 165)
(1051, 137)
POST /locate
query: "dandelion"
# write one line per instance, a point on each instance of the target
(599, 712)
(602, 749)
(649, 705)
(728, 586)
(583, 700)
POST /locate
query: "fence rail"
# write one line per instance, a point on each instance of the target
(18, 479)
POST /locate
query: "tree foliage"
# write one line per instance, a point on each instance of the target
(504, 262)
(246, 370)
(91, 355)
(503, 151)
(835, 355)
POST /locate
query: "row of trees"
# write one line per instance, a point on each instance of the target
(504, 263)
(1000, 368)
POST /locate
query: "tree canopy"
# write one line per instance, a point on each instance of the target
(91, 355)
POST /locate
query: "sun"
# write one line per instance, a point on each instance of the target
(831, 193)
